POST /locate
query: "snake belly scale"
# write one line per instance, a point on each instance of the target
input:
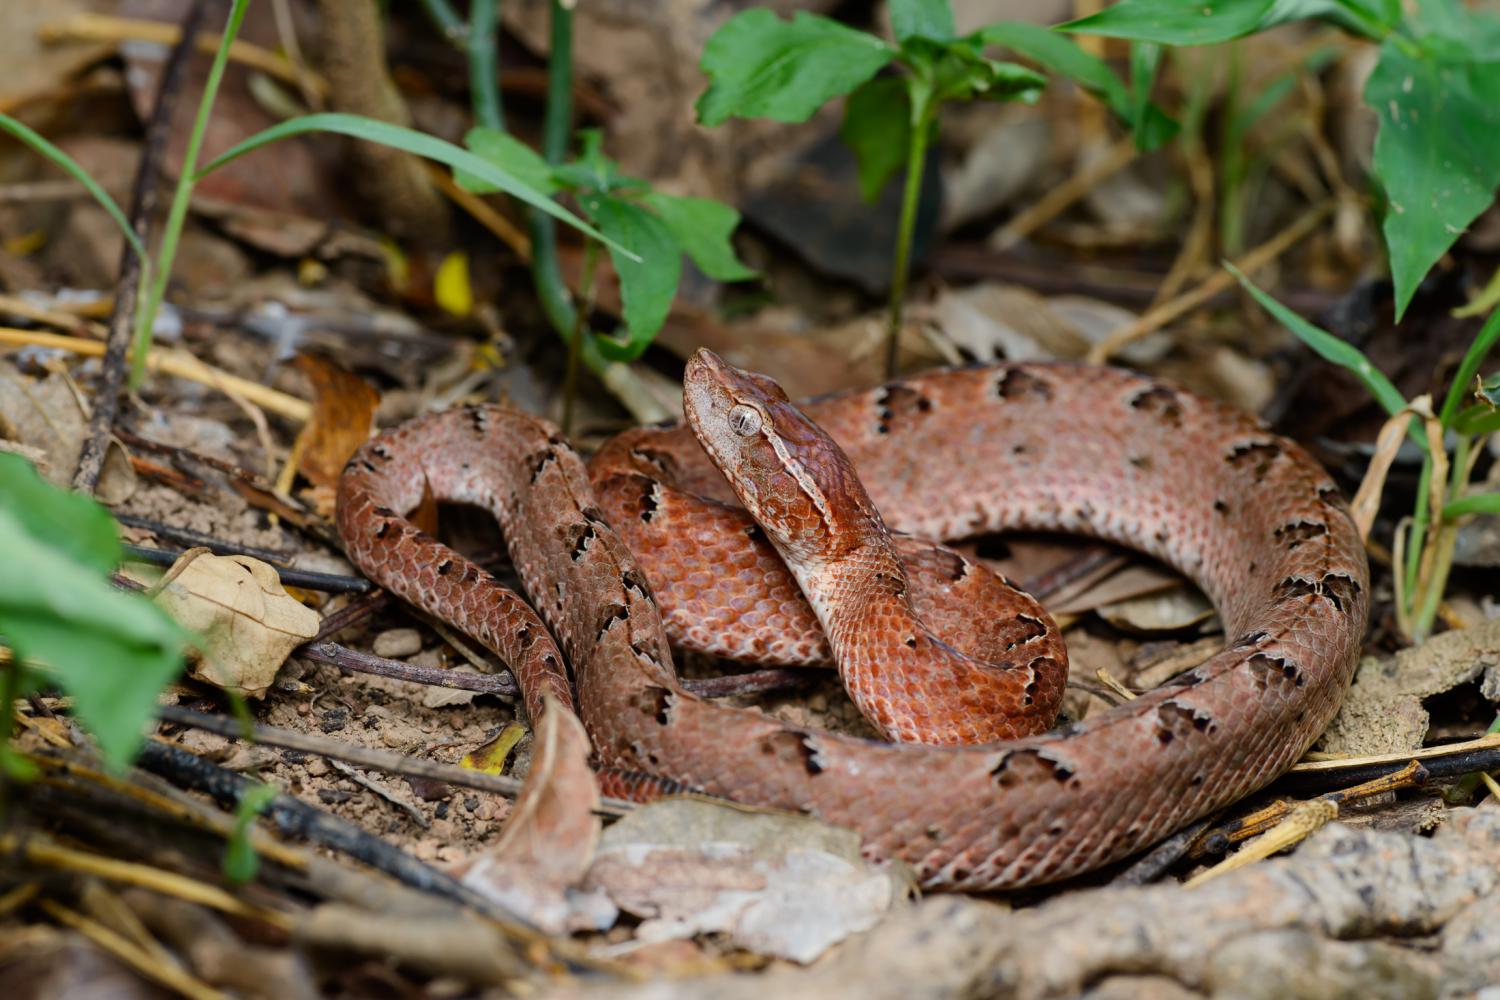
(1247, 515)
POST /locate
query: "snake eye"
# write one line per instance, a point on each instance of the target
(745, 420)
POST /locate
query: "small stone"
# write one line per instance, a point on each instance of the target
(317, 767)
(818, 702)
(398, 642)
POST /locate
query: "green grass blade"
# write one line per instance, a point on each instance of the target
(1331, 348)
(1479, 503)
(1469, 367)
(418, 143)
(57, 156)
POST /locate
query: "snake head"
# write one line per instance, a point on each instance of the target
(790, 475)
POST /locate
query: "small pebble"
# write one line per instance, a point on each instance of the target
(317, 767)
(398, 642)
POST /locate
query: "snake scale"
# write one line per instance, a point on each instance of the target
(1248, 515)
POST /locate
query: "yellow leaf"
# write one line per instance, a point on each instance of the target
(451, 285)
(491, 758)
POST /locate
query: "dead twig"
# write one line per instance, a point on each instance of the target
(1219, 281)
(755, 682)
(143, 198)
(1056, 201)
(378, 760)
(352, 660)
(197, 539)
(331, 583)
(174, 362)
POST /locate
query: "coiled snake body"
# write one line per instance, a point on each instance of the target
(1249, 516)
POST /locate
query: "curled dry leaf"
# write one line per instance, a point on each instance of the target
(343, 417)
(44, 416)
(248, 624)
(550, 836)
(775, 883)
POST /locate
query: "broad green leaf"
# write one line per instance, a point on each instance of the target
(1206, 22)
(1062, 55)
(509, 154)
(593, 171)
(959, 71)
(764, 67)
(74, 526)
(112, 651)
(411, 141)
(1468, 368)
(33, 139)
(877, 126)
(647, 284)
(702, 227)
(1331, 348)
(921, 19)
(1471, 35)
(1437, 155)
(1152, 127)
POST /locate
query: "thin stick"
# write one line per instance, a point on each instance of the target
(352, 660)
(143, 198)
(132, 954)
(50, 855)
(178, 363)
(1056, 201)
(378, 760)
(103, 28)
(190, 538)
(1219, 281)
(329, 583)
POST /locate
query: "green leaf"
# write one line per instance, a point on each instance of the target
(1203, 22)
(33, 139)
(877, 126)
(112, 651)
(1468, 368)
(1437, 155)
(1489, 390)
(1478, 503)
(1061, 54)
(593, 171)
(240, 862)
(509, 154)
(764, 67)
(1331, 348)
(1153, 128)
(921, 19)
(411, 141)
(76, 527)
(959, 71)
(647, 284)
(702, 227)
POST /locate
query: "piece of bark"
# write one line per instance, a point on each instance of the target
(1310, 921)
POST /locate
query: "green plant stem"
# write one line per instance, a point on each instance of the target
(916, 160)
(484, 63)
(575, 338)
(446, 18)
(557, 128)
(1417, 536)
(1443, 545)
(182, 196)
(1482, 503)
(10, 686)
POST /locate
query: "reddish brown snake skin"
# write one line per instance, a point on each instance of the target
(1100, 451)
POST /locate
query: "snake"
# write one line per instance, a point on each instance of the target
(763, 530)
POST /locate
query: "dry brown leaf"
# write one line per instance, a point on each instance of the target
(776, 883)
(550, 836)
(343, 418)
(44, 416)
(248, 623)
